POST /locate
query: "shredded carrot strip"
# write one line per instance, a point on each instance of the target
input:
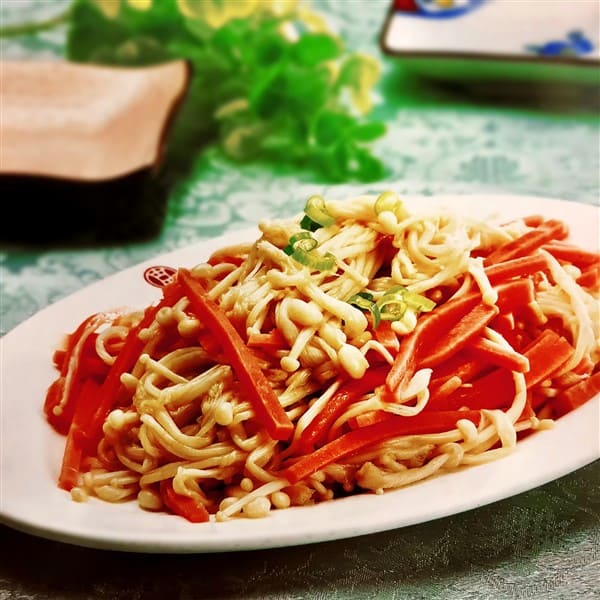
(576, 395)
(385, 427)
(528, 242)
(266, 405)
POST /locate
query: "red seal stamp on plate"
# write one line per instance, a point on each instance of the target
(159, 275)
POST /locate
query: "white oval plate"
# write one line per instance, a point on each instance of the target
(30, 451)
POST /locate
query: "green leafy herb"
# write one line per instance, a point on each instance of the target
(269, 83)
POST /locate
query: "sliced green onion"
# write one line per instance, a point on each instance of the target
(303, 237)
(390, 202)
(309, 224)
(301, 247)
(418, 302)
(397, 300)
(376, 315)
(313, 260)
(317, 212)
(365, 301)
(392, 305)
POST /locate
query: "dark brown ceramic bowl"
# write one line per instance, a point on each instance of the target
(80, 145)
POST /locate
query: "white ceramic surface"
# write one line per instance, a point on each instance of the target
(30, 451)
(547, 29)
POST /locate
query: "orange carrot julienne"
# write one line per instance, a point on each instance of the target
(590, 277)
(218, 259)
(68, 477)
(460, 335)
(501, 357)
(576, 395)
(516, 267)
(86, 404)
(405, 362)
(496, 389)
(428, 330)
(509, 328)
(533, 220)
(316, 431)
(272, 340)
(184, 506)
(572, 254)
(91, 365)
(433, 326)
(358, 439)
(462, 365)
(209, 343)
(528, 242)
(62, 393)
(265, 402)
(440, 335)
(125, 361)
(421, 423)
(546, 354)
(385, 335)
(514, 295)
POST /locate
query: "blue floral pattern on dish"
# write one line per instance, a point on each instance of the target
(574, 44)
(437, 9)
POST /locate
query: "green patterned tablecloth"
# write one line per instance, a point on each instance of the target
(539, 544)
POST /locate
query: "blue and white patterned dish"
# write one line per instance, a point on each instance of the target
(548, 37)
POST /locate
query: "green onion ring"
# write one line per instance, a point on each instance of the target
(302, 248)
(313, 260)
(418, 301)
(316, 211)
(389, 202)
(303, 237)
(392, 305)
(365, 301)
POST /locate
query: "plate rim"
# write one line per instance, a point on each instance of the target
(521, 59)
(166, 544)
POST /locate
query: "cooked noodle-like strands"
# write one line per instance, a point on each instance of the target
(582, 326)
(189, 421)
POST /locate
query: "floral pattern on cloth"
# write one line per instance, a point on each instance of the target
(541, 544)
